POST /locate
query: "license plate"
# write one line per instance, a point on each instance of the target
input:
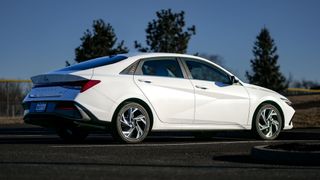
(41, 107)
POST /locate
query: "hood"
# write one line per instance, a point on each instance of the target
(251, 86)
(268, 91)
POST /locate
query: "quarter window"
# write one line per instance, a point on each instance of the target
(203, 71)
(163, 67)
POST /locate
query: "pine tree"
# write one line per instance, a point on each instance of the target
(265, 70)
(100, 42)
(167, 34)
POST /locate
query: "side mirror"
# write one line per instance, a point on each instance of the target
(234, 80)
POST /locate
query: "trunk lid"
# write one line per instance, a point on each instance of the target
(61, 77)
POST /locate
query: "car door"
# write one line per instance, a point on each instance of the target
(218, 100)
(164, 84)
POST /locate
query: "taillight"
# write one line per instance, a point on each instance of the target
(82, 85)
(89, 84)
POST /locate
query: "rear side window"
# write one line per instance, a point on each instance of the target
(163, 67)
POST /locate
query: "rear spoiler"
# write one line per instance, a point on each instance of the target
(56, 78)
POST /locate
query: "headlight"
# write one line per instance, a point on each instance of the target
(286, 101)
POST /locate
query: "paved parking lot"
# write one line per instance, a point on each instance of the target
(28, 152)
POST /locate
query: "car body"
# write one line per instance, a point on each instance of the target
(172, 91)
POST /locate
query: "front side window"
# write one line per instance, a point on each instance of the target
(206, 72)
(163, 67)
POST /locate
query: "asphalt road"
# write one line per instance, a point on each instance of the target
(28, 152)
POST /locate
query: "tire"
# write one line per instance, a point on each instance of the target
(72, 134)
(267, 122)
(131, 123)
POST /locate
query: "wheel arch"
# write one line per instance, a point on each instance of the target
(136, 100)
(272, 103)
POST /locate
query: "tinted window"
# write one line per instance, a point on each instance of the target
(93, 63)
(203, 71)
(165, 67)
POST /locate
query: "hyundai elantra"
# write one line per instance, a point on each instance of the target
(134, 95)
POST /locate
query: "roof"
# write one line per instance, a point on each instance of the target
(158, 54)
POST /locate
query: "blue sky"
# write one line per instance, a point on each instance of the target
(38, 36)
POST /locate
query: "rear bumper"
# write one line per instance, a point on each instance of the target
(93, 100)
(53, 118)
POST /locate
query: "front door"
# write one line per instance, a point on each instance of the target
(218, 100)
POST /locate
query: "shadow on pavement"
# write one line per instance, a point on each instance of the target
(247, 159)
(37, 135)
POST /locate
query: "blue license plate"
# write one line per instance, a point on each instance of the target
(41, 106)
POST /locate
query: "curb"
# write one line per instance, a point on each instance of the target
(273, 155)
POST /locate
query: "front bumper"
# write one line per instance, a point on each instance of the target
(288, 113)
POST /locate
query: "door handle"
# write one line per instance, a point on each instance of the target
(145, 81)
(201, 87)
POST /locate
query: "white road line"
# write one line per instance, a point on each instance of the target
(176, 144)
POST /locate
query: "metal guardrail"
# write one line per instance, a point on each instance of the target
(15, 81)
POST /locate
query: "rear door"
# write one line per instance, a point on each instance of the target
(171, 95)
(218, 100)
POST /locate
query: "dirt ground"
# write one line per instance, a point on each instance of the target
(307, 112)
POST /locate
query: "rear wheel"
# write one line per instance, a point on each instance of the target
(267, 123)
(131, 124)
(72, 134)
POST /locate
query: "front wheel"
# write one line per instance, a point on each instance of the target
(131, 124)
(267, 123)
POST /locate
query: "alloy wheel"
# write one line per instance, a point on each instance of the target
(132, 123)
(268, 122)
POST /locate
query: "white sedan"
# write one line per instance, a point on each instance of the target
(133, 95)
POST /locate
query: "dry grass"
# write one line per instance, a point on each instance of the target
(307, 112)
(11, 120)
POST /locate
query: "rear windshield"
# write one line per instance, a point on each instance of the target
(94, 63)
